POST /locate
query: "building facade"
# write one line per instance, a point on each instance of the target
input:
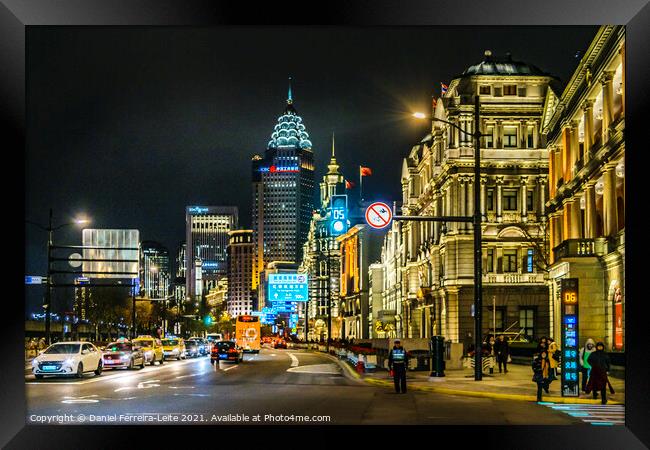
(386, 286)
(585, 127)
(438, 180)
(207, 229)
(321, 258)
(155, 269)
(359, 247)
(241, 286)
(283, 191)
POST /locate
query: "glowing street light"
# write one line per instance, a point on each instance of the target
(419, 115)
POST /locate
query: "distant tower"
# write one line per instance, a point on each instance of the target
(241, 256)
(283, 187)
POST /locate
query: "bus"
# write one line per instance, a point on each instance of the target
(247, 333)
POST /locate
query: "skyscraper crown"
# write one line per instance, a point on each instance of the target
(289, 131)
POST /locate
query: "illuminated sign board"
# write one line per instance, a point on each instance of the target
(33, 279)
(339, 217)
(110, 253)
(276, 169)
(210, 264)
(197, 209)
(569, 345)
(287, 287)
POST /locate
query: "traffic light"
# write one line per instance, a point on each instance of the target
(207, 320)
(339, 214)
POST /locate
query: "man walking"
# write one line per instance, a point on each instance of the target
(397, 364)
(502, 349)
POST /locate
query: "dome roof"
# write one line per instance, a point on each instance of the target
(505, 66)
(289, 131)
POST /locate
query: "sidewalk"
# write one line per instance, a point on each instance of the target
(517, 384)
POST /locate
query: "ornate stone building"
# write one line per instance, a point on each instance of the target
(438, 179)
(585, 127)
(321, 258)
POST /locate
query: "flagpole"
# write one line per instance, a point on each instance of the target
(360, 186)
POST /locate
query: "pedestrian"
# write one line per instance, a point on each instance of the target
(31, 348)
(541, 373)
(502, 349)
(491, 351)
(553, 357)
(598, 380)
(583, 359)
(543, 344)
(397, 364)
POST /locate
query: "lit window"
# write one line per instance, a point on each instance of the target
(510, 137)
(510, 89)
(510, 260)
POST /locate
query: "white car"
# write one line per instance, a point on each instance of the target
(68, 358)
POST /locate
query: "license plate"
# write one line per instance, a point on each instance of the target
(110, 361)
(49, 368)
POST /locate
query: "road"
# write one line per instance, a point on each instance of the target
(267, 388)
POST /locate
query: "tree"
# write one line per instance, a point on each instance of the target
(540, 244)
(110, 305)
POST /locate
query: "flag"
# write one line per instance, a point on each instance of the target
(349, 184)
(365, 171)
(443, 88)
(434, 102)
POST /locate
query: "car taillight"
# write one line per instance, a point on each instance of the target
(232, 350)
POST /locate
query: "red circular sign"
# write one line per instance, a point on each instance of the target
(379, 215)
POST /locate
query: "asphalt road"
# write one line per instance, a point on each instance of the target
(272, 387)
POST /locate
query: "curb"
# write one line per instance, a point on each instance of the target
(347, 370)
(519, 397)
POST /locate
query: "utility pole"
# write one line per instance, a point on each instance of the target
(329, 295)
(47, 304)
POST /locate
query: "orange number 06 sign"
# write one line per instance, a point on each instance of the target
(570, 298)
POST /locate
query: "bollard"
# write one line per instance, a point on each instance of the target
(360, 367)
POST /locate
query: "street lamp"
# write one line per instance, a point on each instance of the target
(476, 221)
(47, 301)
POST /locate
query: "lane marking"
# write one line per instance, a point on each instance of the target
(294, 360)
(327, 369)
(117, 376)
(229, 368)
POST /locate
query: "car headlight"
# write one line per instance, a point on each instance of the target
(69, 361)
(34, 362)
(148, 353)
(126, 357)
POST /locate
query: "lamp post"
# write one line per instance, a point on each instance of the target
(476, 221)
(47, 301)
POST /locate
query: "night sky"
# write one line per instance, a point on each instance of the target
(130, 125)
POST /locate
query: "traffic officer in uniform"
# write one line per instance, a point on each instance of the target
(398, 363)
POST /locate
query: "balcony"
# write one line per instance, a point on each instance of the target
(577, 248)
(513, 278)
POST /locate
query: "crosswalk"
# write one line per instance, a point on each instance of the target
(592, 414)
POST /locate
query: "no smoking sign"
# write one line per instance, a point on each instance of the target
(379, 215)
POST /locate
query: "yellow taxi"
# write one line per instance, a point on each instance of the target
(151, 347)
(173, 347)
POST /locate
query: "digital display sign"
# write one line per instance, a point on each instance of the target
(339, 217)
(569, 345)
(287, 287)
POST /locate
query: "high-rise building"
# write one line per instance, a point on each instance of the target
(179, 279)
(241, 257)
(207, 229)
(283, 191)
(155, 270)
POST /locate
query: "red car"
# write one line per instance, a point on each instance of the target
(226, 351)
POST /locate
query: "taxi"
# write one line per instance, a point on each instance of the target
(173, 347)
(151, 347)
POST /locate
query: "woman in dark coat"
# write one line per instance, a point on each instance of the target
(598, 381)
(541, 373)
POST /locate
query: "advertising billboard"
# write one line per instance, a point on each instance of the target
(288, 287)
(115, 253)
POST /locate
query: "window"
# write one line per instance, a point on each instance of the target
(527, 321)
(510, 89)
(510, 260)
(509, 137)
(490, 260)
(489, 138)
(497, 321)
(510, 200)
(484, 90)
(530, 253)
(530, 204)
(529, 137)
(521, 92)
(490, 200)
(497, 92)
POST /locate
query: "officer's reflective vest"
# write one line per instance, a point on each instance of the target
(399, 356)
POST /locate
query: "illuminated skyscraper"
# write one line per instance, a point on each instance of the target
(283, 191)
(207, 229)
(241, 255)
(155, 270)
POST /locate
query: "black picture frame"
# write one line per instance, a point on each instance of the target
(17, 15)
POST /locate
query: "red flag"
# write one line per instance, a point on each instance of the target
(365, 171)
(349, 184)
